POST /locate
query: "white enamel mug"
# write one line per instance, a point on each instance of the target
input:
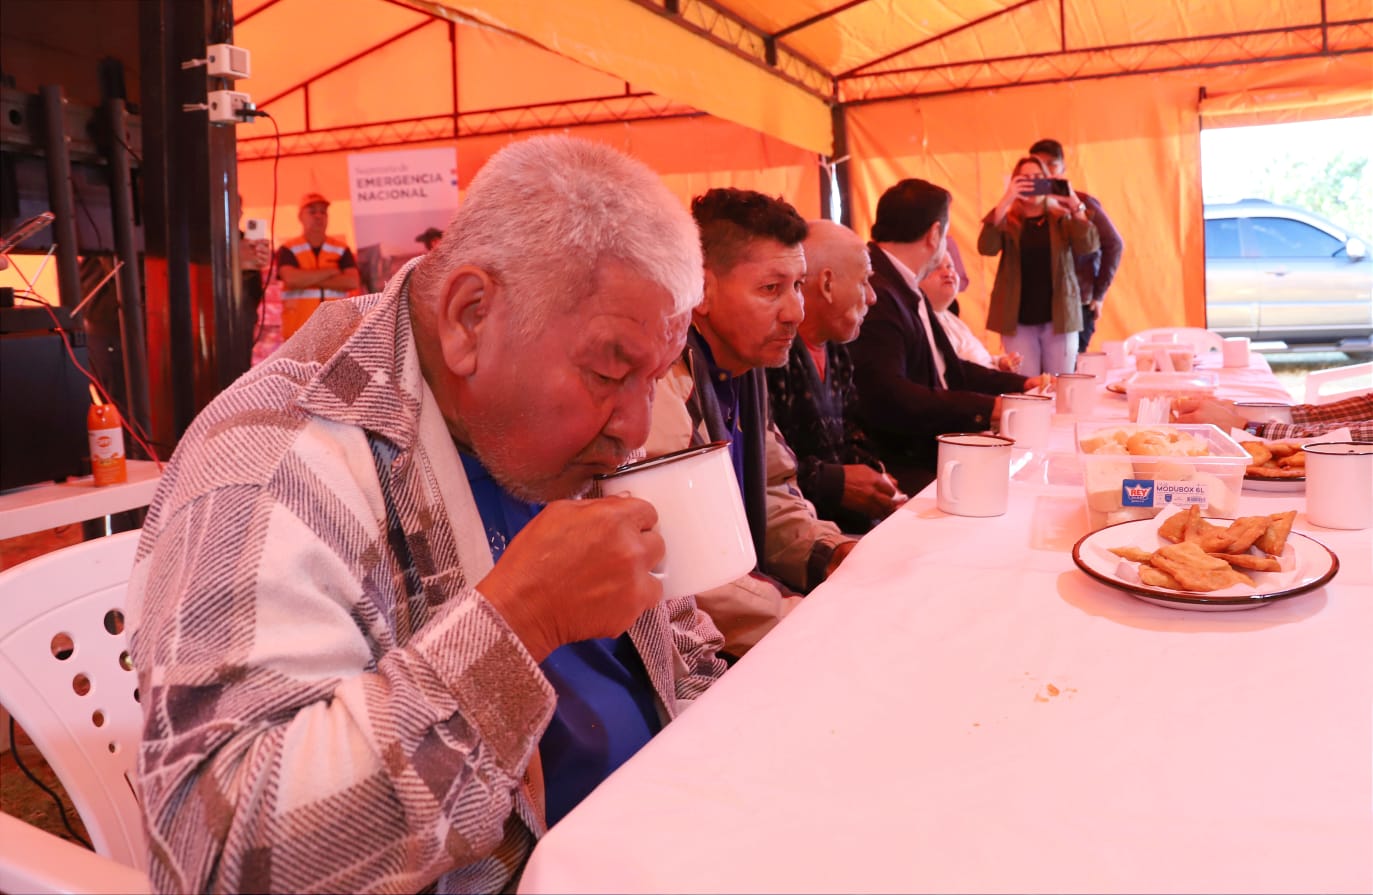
(974, 474)
(1027, 419)
(1076, 393)
(1339, 484)
(1093, 363)
(1264, 411)
(700, 516)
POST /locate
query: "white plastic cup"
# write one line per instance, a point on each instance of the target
(1076, 393)
(1339, 484)
(1093, 363)
(700, 516)
(1027, 420)
(974, 474)
(1234, 352)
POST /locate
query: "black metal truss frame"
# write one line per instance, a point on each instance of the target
(511, 120)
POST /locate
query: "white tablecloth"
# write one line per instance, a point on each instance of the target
(961, 709)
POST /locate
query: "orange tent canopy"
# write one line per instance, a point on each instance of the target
(763, 93)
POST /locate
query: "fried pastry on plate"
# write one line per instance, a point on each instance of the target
(1276, 472)
(1274, 537)
(1195, 569)
(1239, 537)
(1251, 561)
(1175, 526)
(1258, 450)
(1133, 554)
(1158, 578)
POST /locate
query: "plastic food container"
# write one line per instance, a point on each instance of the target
(1122, 486)
(1197, 383)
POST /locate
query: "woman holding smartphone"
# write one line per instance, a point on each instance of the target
(1035, 306)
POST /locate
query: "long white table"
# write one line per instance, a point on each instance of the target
(959, 709)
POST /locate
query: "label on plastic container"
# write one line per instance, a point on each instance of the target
(1151, 493)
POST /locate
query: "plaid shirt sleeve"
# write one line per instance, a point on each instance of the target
(1316, 419)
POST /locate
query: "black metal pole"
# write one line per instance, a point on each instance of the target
(133, 338)
(60, 195)
(840, 123)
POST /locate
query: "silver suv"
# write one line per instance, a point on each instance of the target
(1275, 272)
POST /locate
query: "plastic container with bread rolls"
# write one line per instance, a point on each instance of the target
(1133, 472)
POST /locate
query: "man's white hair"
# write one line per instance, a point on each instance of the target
(543, 213)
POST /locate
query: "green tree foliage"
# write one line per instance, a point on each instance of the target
(1337, 185)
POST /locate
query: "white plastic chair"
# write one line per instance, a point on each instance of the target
(66, 677)
(1199, 340)
(1349, 381)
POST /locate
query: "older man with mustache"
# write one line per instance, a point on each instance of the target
(748, 320)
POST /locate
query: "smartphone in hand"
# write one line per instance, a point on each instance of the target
(255, 228)
(1048, 186)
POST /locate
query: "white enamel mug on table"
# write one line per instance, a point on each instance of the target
(1264, 411)
(1093, 363)
(700, 516)
(1339, 484)
(974, 474)
(1076, 393)
(1027, 419)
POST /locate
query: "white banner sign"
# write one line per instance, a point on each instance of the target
(396, 197)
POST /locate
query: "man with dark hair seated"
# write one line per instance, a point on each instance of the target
(747, 320)
(814, 401)
(912, 386)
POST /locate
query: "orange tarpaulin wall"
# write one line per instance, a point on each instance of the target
(1133, 142)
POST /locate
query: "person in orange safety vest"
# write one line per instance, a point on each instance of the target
(314, 267)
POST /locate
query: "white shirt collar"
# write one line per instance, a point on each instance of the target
(906, 273)
(922, 311)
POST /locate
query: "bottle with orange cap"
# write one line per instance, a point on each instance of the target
(107, 442)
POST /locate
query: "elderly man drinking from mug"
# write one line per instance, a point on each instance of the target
(371, 630)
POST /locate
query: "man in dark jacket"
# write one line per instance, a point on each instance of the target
(814, 401)
(1095, 270)
(912, 386)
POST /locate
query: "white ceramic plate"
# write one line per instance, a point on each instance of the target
(1309, 564)
(1286, 486)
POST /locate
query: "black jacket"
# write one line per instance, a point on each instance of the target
(900, 402)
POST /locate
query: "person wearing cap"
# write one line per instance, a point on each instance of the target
(314, 267)
(912, 385)
(430, 238)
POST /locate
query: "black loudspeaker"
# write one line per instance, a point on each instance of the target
(43, 399)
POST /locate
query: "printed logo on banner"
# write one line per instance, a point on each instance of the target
(1150, 493)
